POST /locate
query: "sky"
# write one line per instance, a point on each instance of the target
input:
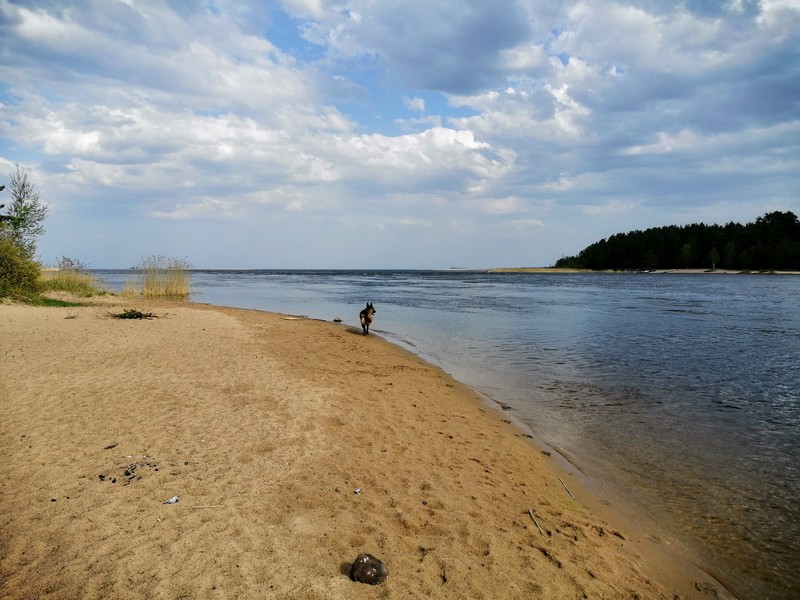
(393, 133)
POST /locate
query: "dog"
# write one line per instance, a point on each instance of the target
(366, 317)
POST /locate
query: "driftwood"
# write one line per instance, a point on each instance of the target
(133, 314)
(566, 488)
(535, 522)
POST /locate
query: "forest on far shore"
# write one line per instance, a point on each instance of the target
(771, 243)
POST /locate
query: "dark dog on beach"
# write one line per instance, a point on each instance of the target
(367, 316)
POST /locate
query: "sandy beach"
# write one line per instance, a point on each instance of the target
(293, 445)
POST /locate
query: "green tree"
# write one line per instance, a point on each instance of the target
(650, 260)
(714, 256)
(686, 255)
(26, 213)
(771, 242)
(729, 255)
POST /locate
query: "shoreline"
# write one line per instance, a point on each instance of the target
(285, 415)
(665, 551)
(538, 270)
(559, 270)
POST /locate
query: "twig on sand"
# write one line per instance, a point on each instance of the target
(530, 512)
(566, 488)
(208, 506)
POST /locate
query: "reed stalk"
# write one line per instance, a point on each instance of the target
(161, 277)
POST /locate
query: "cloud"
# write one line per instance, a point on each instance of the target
(418, 123)
(414, 222)
(611, 207)
(313, 9)
(462, 117)
(521, 224)
(502, 206)
(213, 208)
(683, 140)
(415, 104)
(457, 45)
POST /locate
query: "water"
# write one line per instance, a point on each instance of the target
(681, 390)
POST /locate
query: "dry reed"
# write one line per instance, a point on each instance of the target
(161, 277)
(71, 276)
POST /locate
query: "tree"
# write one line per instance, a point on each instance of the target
(729, 255)
(686, 255)
(714, 256)
(26, 213)
(771, 242)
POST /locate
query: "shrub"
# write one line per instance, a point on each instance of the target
(18, 274)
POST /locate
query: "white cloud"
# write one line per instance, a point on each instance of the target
(407, 115)
(454, 45)
(563, 184)
(425, 122)
(415, 104)
(526, 57)
(780, 16)
(435, 158)
(683, 140)
(522, 224)
(502, 206)
(611, 207)
(414, 222)
(207, 208)
(313, 9)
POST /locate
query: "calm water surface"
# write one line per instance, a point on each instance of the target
(681, 390)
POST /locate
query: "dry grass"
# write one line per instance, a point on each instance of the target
(161, 277)
(75, 281)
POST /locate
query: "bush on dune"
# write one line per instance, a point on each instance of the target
(19, 276)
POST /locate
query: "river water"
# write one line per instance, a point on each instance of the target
(682, 391)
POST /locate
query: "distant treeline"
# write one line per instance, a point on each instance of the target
(772, 243)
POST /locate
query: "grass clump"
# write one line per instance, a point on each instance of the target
(70, 275)
(162, 277)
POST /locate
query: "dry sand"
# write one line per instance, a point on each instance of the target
(264, 426)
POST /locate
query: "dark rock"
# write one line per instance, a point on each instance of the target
(368, 569)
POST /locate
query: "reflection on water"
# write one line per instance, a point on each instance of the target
(683, 389)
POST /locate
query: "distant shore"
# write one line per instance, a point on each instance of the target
(642, 271)
(293, 445)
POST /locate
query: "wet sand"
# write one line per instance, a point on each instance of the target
(293, 445)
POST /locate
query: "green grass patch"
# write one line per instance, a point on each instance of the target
(36, 299)
(45, 301)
